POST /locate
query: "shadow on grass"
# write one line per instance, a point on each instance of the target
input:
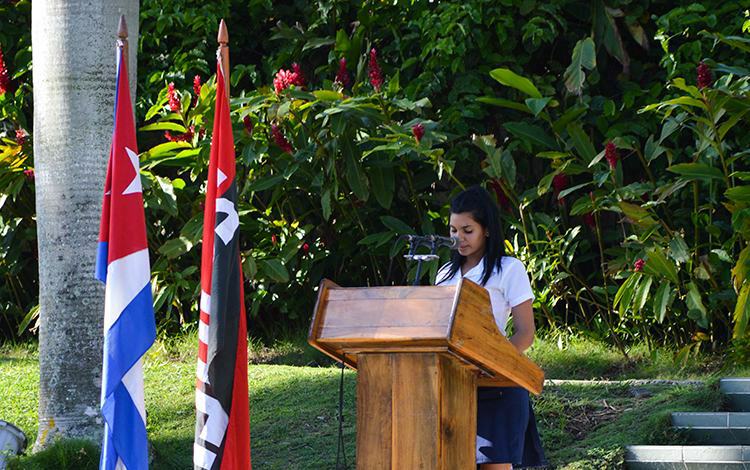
(293, 420)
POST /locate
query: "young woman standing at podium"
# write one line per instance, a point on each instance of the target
(506, 427)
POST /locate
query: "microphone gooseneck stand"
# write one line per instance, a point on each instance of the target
(414, 243)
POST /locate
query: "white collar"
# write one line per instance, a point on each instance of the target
(477, 270)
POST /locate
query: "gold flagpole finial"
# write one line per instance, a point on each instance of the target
(223, 40)
(122, 38)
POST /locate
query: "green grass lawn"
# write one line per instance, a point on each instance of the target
(294, 396)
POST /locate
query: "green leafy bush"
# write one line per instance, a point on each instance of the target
(622, 181)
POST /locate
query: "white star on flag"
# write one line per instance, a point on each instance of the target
(135, 185)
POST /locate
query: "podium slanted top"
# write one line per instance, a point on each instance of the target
(456, 320)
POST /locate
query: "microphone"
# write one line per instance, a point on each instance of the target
(433, 240)
(450, 242)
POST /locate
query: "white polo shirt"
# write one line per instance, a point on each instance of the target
(508, 286)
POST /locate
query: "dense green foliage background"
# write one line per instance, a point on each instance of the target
(520, 96)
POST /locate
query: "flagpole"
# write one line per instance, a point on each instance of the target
(122, 38)
(223, 40)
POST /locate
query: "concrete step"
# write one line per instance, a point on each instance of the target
(737, 391)
(734, 384)
(687, 457)
(738, 401)
(725, 428)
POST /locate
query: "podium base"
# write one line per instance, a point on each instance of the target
(415, 411)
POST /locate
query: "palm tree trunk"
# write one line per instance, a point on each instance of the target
(73, 43)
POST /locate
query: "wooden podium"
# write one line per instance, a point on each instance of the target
(421, 352)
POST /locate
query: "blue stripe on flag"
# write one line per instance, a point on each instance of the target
(102, 255)
(128, 339)
(125, 433)
(108, 457)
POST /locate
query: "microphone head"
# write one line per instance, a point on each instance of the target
(454, 242)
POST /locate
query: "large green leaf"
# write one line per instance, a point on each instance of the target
(584, 57)
(581, 142)
(532, 133)
(509, 78)
(741, 312)
(503, 103)
(261, 184)
(164, 126)
(273, 269)
(739, 194)
(624, 294)
(249, 266)
(692, 90)
(31, 315)
(315, 43)
(565, 192)
(637, 214)
(397, 225)
(731, 122)
(678, 249)
(537, 105)
(175, 247)
(167, 148)
(680, 101)
(658, 264)
(696, 309)
(376, 240)
(383, 185)
(325, 204)
(641, 295)
(354, 175)
(696, 171)
(328, 95)
(661, 300)
(741, 269)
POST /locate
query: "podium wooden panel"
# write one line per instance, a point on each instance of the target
(420, 352)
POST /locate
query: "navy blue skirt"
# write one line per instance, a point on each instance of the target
(506, 428)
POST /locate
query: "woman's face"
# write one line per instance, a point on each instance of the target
(470, 233)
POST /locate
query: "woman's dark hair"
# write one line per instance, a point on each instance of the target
(483, 209)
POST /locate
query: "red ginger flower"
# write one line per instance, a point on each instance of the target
(186, 137)
(560, 182)
(280, 140)
(502, 198)
(418, 131)
(4, 75)
(610, 153)
(248, 123)
(197, 86)
(588, 219)
(29, 174)
(342, 76)
(21, 136)
(305, 248)
(274, 239)
(638, 265)
(174, 101)
(376, 75)
(704, 76)
(299, 80)
(285, 78)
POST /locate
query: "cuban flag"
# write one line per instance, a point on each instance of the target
(222, 430)
(123, 265)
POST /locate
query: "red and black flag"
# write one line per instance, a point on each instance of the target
(222, 430)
